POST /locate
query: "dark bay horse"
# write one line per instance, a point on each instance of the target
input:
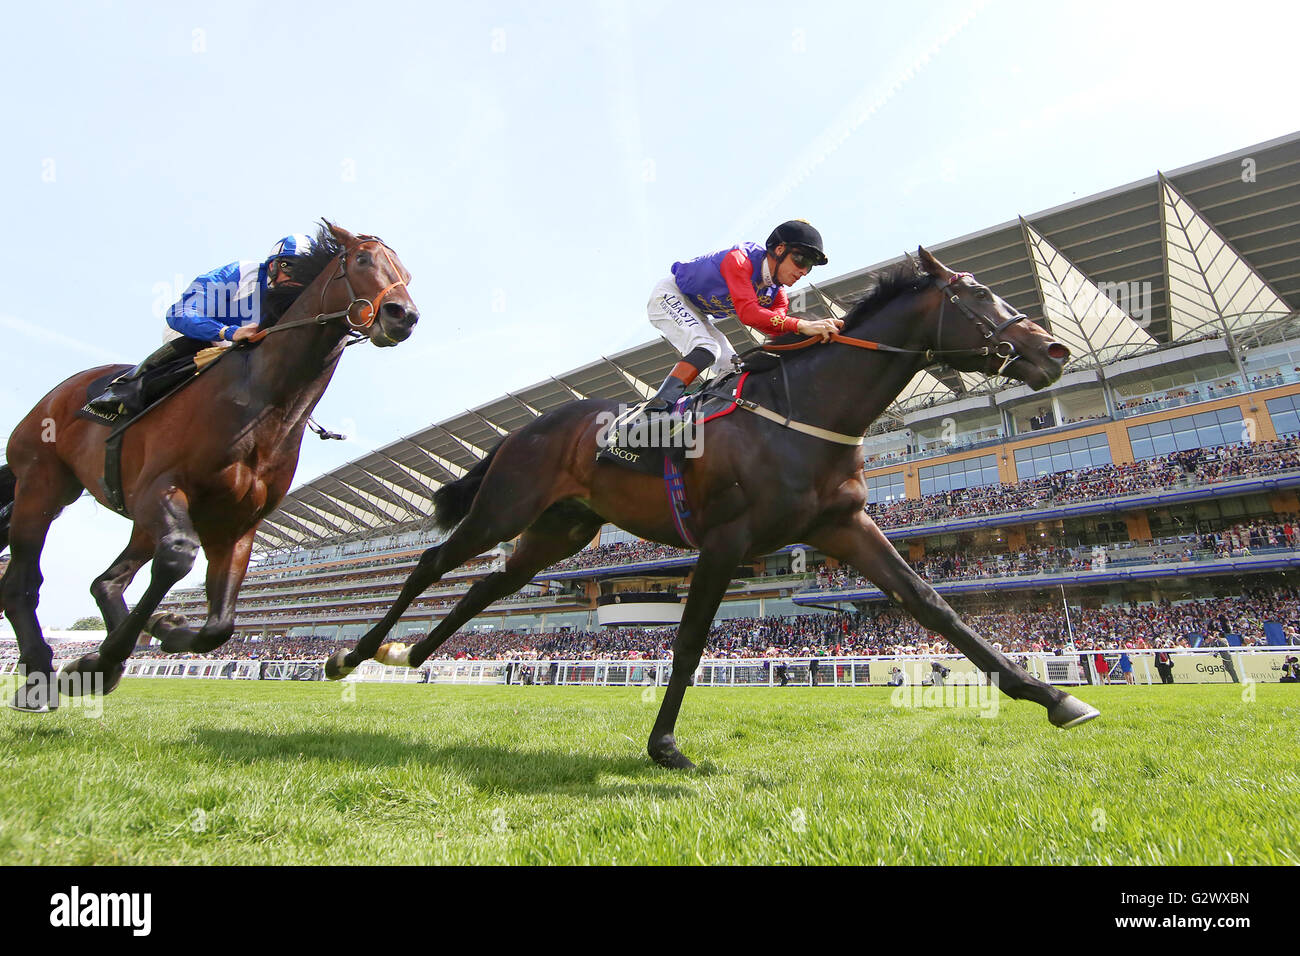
(757, 486)
(202, 468)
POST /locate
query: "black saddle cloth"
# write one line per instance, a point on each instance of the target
(641, 441)
(155, 384)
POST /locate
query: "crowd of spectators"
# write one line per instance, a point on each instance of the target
(1020, 629)
(1015, 630)
(1184, 396)
(620, 552)
(1176, 469)
(1238, 540)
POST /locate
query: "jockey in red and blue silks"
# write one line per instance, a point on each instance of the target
(746, 281)
(218, 308)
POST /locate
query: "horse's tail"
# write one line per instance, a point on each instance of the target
(8, 482)
(451, 502)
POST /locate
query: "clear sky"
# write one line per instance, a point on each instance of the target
(538, 166)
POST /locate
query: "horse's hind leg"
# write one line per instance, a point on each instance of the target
(165, 518)
(860, 543)
(510, 499)
(43, 490)
(341, 663)
(107, 589)
(562, 530)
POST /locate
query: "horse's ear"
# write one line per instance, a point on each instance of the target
(932, 266)
(338, 232)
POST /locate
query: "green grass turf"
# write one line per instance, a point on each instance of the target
(264, 772)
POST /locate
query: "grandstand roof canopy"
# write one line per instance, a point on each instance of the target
(1203, 250)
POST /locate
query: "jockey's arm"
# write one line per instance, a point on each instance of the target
(736, 272)
(196, 315)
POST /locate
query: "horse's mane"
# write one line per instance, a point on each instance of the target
(307, 268)
(883, 287)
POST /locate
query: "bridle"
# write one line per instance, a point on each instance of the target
(366, 317)
(1002, 348)
(371, 310)
(987, 326)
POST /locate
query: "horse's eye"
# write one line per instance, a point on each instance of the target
(981, 293)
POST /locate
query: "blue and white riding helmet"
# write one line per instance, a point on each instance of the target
(290, 247)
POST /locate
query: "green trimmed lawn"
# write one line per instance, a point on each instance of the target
(197, 772)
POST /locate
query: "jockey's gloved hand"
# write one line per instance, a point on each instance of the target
(822, 328)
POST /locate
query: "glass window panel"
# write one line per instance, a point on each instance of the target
(1211, 436)
(1163, 445)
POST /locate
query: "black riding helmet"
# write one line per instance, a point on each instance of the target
(799, 233)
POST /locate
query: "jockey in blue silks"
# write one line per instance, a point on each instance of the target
(219, 308)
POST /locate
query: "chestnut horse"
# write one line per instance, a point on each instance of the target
(761, 483)
(202, 468)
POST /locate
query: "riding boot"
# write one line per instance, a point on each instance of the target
(669, 392)
(674, 386)
(125, 395)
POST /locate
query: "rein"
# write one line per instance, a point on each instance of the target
(931, 355)
(986, 325)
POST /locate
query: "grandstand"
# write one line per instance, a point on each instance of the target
(1163, 467)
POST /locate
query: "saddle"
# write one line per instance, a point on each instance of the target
(647, 442)
(156, 386)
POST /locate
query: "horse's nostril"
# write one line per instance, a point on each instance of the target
(1058, 352)
(400, 313)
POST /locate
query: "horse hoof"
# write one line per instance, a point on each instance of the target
(394, 655)
(335, 666)
(38, 695)
(1071, 712)
(167, 619)
(664, 752)
(88, 675)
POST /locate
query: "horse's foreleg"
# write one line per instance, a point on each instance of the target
(107, 589)
(165, 517)
(561, 531)
(720, 552)
(227, 565)
(861, 544)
